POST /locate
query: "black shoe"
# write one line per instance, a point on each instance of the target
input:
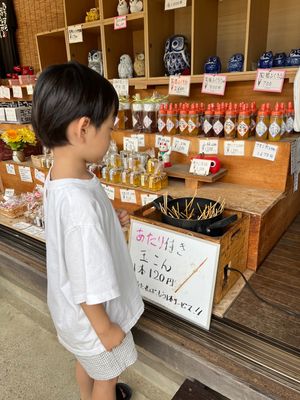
(124, 392)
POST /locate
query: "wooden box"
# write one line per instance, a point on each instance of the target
(233, 246)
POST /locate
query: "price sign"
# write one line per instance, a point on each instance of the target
(120, 22)
(25, 174)
(10, 114)
(121, 86)
(128, 196)
(179, 85)
(234, 148)
(39, 175)
(10, 169)
(6, 92)
(29, 89)
(75, 34)
(163, 139)
(110, 191)
(214, 84)
(200, 167)
(181, 146)
(171, 4)
(148, 198)
(17, 92)
(296, 181)
(9, 193)
(269, 80)
(140, 138)
(295, 156)
(131, 143)
(209, 146)
(265, 151)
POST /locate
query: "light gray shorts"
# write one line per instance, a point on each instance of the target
(110, 364)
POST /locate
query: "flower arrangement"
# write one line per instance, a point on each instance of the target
(17, 139)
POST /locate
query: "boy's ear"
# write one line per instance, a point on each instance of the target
(78, 129)
(83, 125)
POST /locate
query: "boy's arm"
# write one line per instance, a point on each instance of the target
(110, 334)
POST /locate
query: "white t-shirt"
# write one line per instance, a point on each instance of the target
(87, 261)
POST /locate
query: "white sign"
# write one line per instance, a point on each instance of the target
(120, 22)
(2, 114)
(39, 175)
(296, 181)
(171, 4)
(234, 148)
(29, 89)
(21, 225)
(209, 146)
(17, 92)
(181, 146)
(6, 92)
(214, 84)
(175, 271)
(110, 191)
(269, 80)
(10, 169)
(25, 174)
(9, 193)
(180, 85)
(141, 139)
(1, 92)
(265, 151)
(163, 139)
(121, 86)
(10, 114)
(131, 143)
(295, 156)
(148, 198)
(128, 196)
(200, 166)
(75, 34)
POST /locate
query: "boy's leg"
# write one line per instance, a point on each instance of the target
(85, 383)
(105, 390)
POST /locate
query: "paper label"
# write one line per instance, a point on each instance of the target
(261, 128)
(147, 121)
(2, 114)
(181, 146)
(170, 125)
(160, 125)
(269, 80)
(218, 127)
(120, 22)
(200, 167)
(295, 156)
(163, 139)
(17, 92)
(39, 175)
(110, 191)
(206, 126)
(11, 115)
(29, 89)
(131, 143)
(229, 126)
(75, 34)
(243, 128)
(10, 169)
(25, 174)
(182, 124)
(296, 181)
(140, 138)
(128, 196)
(179, 85)
(6, 92)
(274, 129)
(148, 198)
(171, 4)
(214, 84)
(265, 151)
(121, 86)
(234, 148)
(9, 193)
(209, 146)
(191, 126)
(21, 225)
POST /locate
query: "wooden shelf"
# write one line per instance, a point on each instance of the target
(129, 17)
(52, 48)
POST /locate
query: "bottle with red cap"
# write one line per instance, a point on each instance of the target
(262, 124)
(283, 114)
(208, 122)
(253, 116)
(183, 120)
(193, 121)
(230, 123)
(162, 119)
(275, 124)
(171, 118)
(243, 124)
(290, 116)
(218, 122)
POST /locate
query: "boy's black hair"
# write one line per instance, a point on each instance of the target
(66, 92)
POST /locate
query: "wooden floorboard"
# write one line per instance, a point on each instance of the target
(278, 281)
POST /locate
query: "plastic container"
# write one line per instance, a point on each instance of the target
(262, 125)
(193, 122)
(218, 123)
(230, 124)
(208, 122)
(183, 120)
(274, 134)
(243, 124)
(171, 120)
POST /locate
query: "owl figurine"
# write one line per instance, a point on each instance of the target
(95, 61)
(236, 63)
(266, 60)
(125, 67)
(293, 58)
(213, 65)
(176, 57)
(279, 60)
(135, 6)
(139, 64)
(123, 7)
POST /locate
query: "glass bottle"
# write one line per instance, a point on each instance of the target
(125, 176)
(171, 120)
(218, 123)
(290, 117)
(135, 178)
(262, 125)
(208, 122)
(183, 120)
(275, 125)
(105, 173)
(115, 160)
(155, 182)
(115, 175)
(149, 118)
(230, 124)
(162, 119)
(243, 124)
(283, 124)
(193, 122)
(152, 164)
(253, 117)
(127, 114)
(120, 118)
(145, 180)
(137, 116)
(164, 179)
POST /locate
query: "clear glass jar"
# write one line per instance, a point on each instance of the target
(134, 162)
(105, 173)
(115, 160)
(127, 115)
(137, 117)
(115, 175)
(125, 176)
(135, 178)
(152, 165)
(155, 182)
(150, 118)
(145, 180)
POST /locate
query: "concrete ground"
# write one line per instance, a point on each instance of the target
(34, 366)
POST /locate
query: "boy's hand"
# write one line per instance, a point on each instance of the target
(112, 337)
(123, 216)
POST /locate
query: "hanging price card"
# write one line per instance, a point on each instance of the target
(10, 169)
(120, 22)
(180, 85)
(234, 148)
(75, 34)
(140, 138)
(17, 92)
(181, 146)
(148, 198)
(200, 167)
(209, 146)
(269, 80)
(265, 151)
(29, 89)
(110, 191)
(121, 86)
(214, 84)
(171, 4)
(131, 143)
(128, 196)
(163, 139)
(25, 174)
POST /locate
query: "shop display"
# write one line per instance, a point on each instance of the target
(213, 65)
(236, 63)
(123, 8)
(135, 6)
(268, 60)
(139, 64)
(17, 140)
(125, 67)
(92, 15)
(176, 57)
(95, 61)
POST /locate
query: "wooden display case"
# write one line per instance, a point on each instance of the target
(75, 11)
(52, 47)
(91, 41)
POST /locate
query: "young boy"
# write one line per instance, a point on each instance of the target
(92, 291)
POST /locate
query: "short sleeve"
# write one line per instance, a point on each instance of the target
(90, 266)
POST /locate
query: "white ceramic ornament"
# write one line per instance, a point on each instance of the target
(123, 7)
(125, 67)
(139, 64)
(135, 6)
